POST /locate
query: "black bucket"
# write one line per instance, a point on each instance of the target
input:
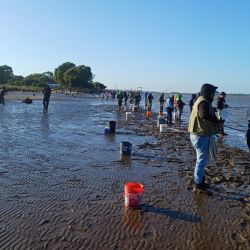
(125, 148)
(112, 126)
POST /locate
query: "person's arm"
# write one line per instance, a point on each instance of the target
(204, 112)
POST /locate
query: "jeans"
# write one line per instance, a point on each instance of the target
(201, 145)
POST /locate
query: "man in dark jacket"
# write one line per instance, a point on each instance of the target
(203, 124)
(150, 100)
(221, 105)
(248, 136)
(2, 94)
(46, 97)
(192, 101)
(161, 101)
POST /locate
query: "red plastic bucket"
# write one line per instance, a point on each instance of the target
(133, 194)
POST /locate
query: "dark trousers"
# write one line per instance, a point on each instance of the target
(169, 115)
(2, 100)
(45, 103)
(161, 106)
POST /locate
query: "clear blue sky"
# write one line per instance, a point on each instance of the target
(156, 44)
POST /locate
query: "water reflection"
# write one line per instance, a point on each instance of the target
(110, 137)
(132, 218)
(45, 124)
(125, 159)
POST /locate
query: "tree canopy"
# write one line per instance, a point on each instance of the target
(37, 80)
(60, 71)
(6, 74)
(99, 86)
(67, 75)
(78, 76)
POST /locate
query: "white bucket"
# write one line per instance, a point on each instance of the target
(160, 121)
(128, 114)
(163, 128)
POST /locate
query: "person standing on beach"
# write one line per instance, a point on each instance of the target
(221, 105)
(161, 102)
(146, 100)
(192, 101)
(2, 94)
(203, 124)
(120, 98)
(46, 96)
(137, 99)
(179, 107)
(150, 100)
(125, 95)
(248, 136)
(170, 109)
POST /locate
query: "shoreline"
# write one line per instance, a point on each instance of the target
(20, 95)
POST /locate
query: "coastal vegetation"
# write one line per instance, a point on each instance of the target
(65, 76)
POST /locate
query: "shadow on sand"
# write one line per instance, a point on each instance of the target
(170, 213)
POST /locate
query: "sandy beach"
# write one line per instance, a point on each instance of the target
(62, 183)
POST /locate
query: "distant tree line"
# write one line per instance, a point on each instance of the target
(68, 75)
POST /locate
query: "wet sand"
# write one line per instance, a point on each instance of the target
(62, 179)
(60, 95)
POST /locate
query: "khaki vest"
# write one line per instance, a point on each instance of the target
(199, 126)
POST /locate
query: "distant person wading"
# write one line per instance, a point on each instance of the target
(46, 97)
(2, 94)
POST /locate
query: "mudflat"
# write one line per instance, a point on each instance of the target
(62, 182)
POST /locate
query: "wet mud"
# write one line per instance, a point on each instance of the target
(62, 180)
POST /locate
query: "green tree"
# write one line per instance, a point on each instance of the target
(99, 86)
(60, 71)
(49, 74)
(79, 77)
(17, 78)
(6, 74)
(36, 80)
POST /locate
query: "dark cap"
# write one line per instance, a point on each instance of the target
(223, 93)
(207, 89)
